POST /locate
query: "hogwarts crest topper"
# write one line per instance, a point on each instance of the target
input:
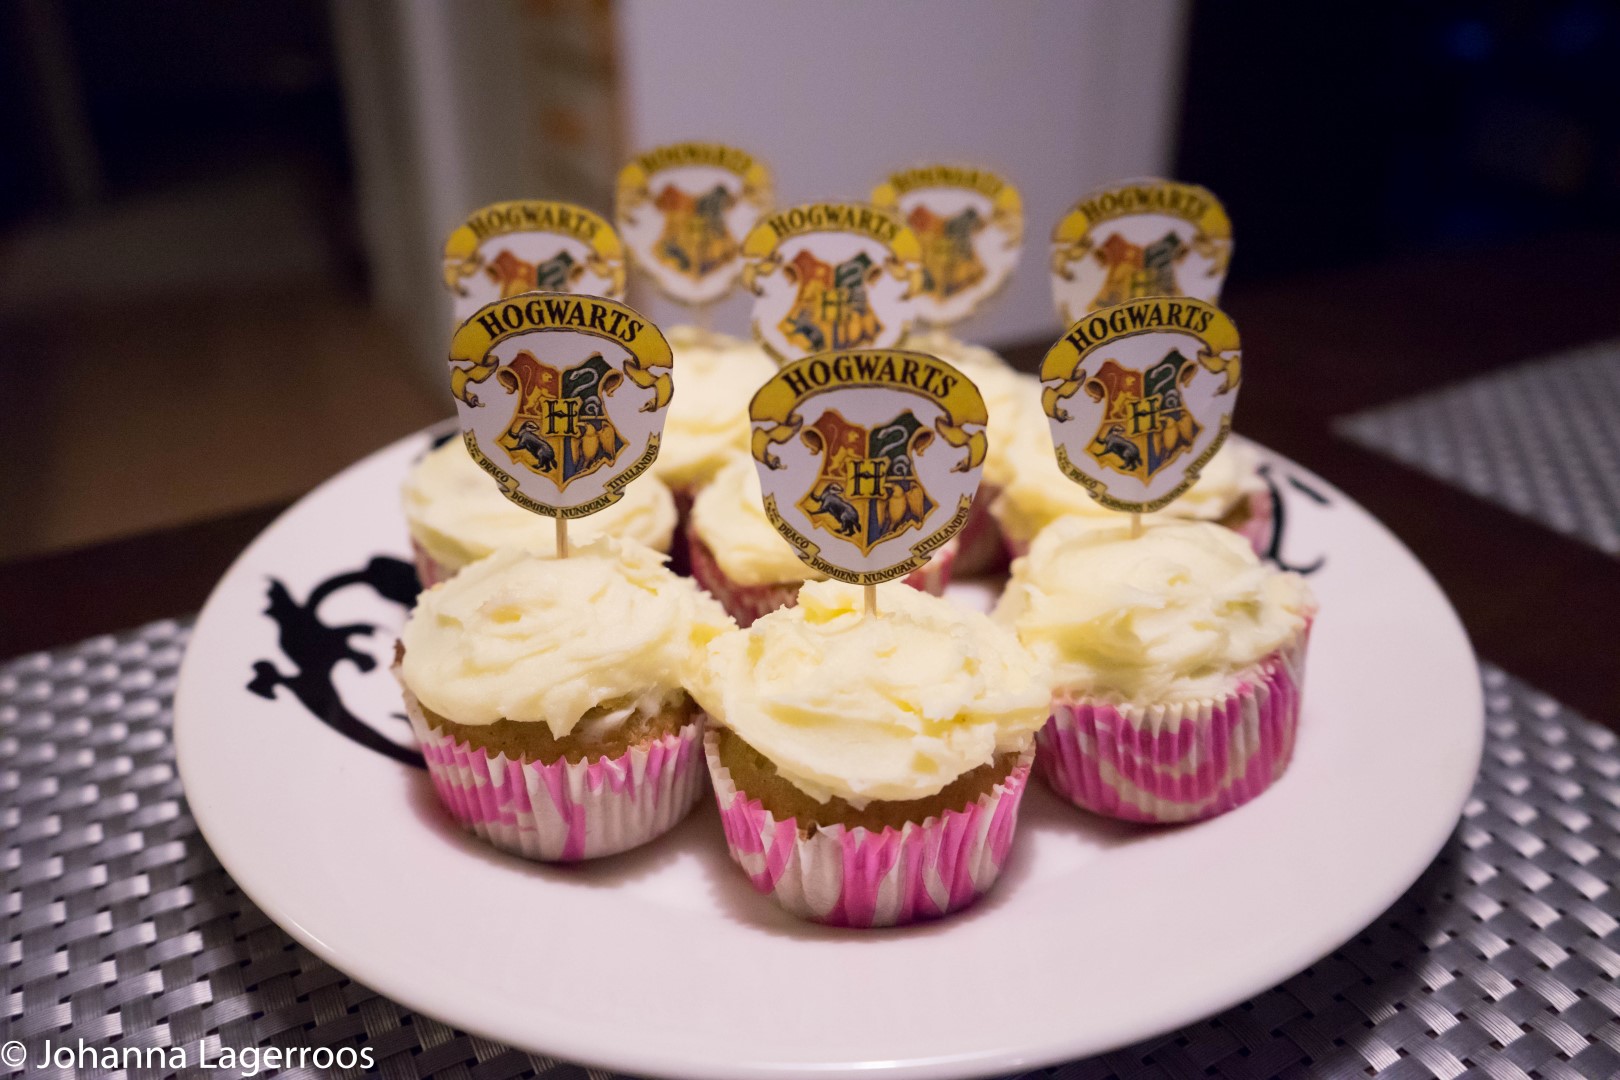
(684, 210)
(1139, 238)
(868, 459)
(561, 398)
(1139, 397)
(530, 245)
(969, 225)
(830, 276)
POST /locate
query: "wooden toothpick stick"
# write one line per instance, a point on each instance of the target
(871, 600)
(562, 537)
(1136, 525)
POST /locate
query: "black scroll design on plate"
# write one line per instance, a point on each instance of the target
(1279, 520)
(315, 648)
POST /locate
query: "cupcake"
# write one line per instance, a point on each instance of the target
(1016, 428)
(869, 768)
(740, 558)
(550, 697)
(1176, 660)
(1013, 401)
(1230, 492)
(1012, 398)
(457, 515)
(707, 421)
(966, 357)
(1034, 492)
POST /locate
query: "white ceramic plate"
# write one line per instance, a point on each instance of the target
(664, 962)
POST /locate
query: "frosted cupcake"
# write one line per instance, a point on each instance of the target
(740, 558)
(869, 768)
(550, 697)
(707, 421)
(1230, 492)
(1013, 401)
(966, 357)
(457, 515)
(1034, 492)
(1176, 661)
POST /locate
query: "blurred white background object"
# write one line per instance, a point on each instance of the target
(458, 104)
(1058, 97)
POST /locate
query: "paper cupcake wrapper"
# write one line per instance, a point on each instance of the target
(429, 571)
(685, 495)
(564, 812)
(680, 551)
(1251, 520)
(934, 575)
(980, 547)
(746, 603)
(1175, 763)
(860, 878)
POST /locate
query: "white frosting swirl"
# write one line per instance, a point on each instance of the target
(728, 515)
(456, 512)
(962, 355)
(1225, 481)
(716, 377)
(1014, 403)
(1173, 615)
(893, 706)
(537, 639)
(1037, 493)
(1012, 398)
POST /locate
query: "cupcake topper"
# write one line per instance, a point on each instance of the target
(1139, 397)
(561, 399)
(508, 248)
(868, 460)
(1140, 238)
(969, 225)
(829, 276)
(684, 210)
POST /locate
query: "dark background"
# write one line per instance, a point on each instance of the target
(1336, 135)
(118, 98)
(1343, 134)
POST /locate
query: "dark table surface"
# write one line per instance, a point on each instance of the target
(1538, 604)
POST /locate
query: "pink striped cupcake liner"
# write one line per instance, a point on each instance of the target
(565, 812)
(746, 603)
(980, 548)
(862, 879)
(685, 495)
(1164, 764)
(936, 573)
(429, 571)
(680, 553)
(1255, 527)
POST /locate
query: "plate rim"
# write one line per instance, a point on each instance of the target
(631, 1057)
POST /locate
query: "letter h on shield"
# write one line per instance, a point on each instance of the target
(866, 477)
(1145, 415)
(561, 416)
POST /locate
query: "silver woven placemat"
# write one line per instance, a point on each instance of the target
(1541, 439)
(122, 930)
